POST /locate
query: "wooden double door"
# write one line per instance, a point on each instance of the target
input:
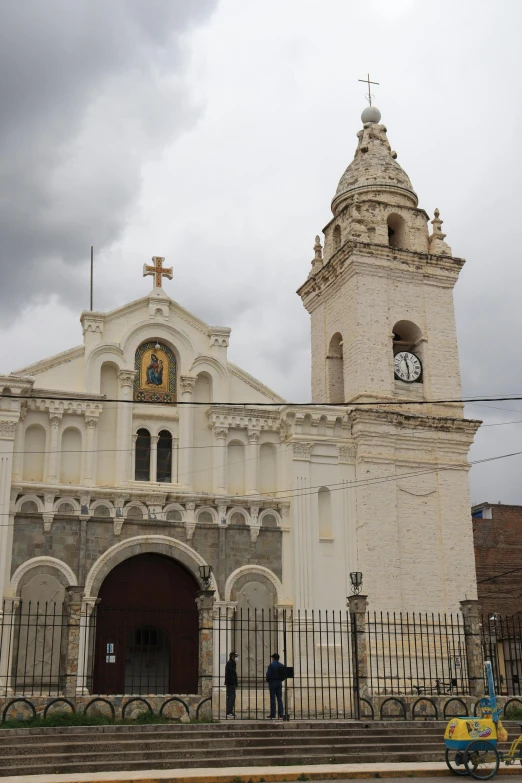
(146, 629)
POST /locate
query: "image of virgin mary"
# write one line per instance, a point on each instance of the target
(155, 371)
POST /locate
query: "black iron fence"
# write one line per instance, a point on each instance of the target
(314, 647)
(416, 654)
(330, 657)
(502, 645)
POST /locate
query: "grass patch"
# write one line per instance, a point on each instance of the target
(513, 713)
(302, 776)
(79, 719)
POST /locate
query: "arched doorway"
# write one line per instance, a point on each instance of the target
(146, 637)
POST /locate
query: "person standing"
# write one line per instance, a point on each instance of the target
(275, 676)
(231, 684)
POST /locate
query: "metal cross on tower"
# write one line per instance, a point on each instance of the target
(368, 82)
(157, 270)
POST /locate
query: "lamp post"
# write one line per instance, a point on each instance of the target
(356, 579)
(205, 573)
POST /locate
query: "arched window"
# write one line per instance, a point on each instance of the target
(134, 512)
(205, 518)
(269, 520)
(336, 238)
(324, 502)
(236, 468)
(164, 469)
(407, 336)
(71, 457)
(174, 516)
(142, 472)
(267, 468)
(29, 507)
(34, 453)
(396, 231)
(335, 370)
(237, 518)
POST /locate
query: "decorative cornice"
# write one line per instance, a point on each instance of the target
(52, 361)
(187, 383)
(254, 383)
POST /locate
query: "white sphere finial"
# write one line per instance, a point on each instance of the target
(370, 114)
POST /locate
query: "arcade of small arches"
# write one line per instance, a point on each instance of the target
(187, 513)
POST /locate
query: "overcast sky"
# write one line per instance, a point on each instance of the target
(215, 132)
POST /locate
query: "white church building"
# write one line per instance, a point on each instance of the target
(129, 461)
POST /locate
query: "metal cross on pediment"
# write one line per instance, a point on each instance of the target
(157, 270)
(368, 82)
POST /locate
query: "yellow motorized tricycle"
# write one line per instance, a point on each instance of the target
(471, 742)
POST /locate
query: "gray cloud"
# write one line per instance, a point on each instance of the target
(89, 90)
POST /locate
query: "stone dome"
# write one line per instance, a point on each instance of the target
(374, 171)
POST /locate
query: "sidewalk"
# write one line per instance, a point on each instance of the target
(316, 772)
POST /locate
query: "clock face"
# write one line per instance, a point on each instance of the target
(407, 367)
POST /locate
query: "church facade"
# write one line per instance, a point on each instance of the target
(145, 444)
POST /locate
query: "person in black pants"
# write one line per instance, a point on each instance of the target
(275, 676)
(231, 684)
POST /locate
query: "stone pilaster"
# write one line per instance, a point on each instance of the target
(186, 424)
(91, 444)
(124, 426)
(220, 459)
(252, 465)
(358, 606)
(70, 652)
(471, 618)
(53, 464)
(205, 604)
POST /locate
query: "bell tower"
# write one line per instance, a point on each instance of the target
(380, 297)
(382, 286)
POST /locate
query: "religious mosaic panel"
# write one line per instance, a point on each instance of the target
(155, 379)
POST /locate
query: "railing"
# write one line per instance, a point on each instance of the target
(502, 645)
(416, 654)
(314, 647)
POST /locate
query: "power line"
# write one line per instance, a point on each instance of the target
(194, 403)
(497, 576)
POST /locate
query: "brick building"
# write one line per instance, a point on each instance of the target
(497, 536)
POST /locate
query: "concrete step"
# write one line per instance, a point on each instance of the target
(106, 748)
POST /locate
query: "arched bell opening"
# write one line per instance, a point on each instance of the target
(335, 370)
(397, 233)
(407, 336)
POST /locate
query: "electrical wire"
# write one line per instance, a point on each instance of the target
(346, 484)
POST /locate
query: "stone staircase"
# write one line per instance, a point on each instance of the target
(230, 744)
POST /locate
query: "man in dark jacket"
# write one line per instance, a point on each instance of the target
(275, 676)
(231, 684)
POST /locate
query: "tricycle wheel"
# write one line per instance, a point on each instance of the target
(455, 761)
(481, 759)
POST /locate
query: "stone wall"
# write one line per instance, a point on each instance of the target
(226, 548)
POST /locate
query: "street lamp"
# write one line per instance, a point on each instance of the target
(205, 572)
(356, 581)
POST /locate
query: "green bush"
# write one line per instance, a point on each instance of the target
(79, 719)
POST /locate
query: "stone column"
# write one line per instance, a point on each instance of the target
(53, 464)
(133, 457)
(205, 604)
(91, 443)
(252, 465)
(358, 606)
(220, 459)
(9, 621)
(85, 646)
(70, 653)
(175, 454)
(154, 457)
(186, 418)
(124, 426)
(18, 451)
(471, 617)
